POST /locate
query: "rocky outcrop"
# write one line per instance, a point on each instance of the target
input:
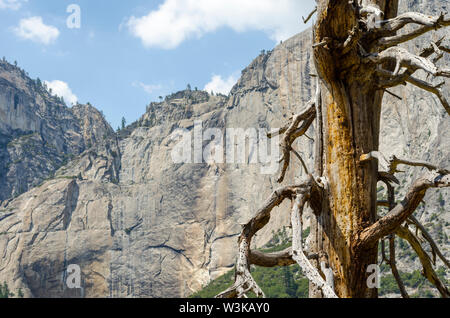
(38, 132)
(140, 225)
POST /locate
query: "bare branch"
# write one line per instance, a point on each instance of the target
(394, 269)
(432, 48)
(430, 240)
(389, 223)
(387, 177)
(432, 89)
(353, 37)
(297, 248)
(435, 89)
(282, 258)
(403, 58)
(391, 26)
(301, 160)
(280, 131)
(428, 270)
(391, 81)
(309, 16)
(292, 133)
(383, 203)
(391, 193)
(325, 42)
(244, 281)
(427, 26)
(394, 162)
(392, 262)
(392, 94)
(383, 253)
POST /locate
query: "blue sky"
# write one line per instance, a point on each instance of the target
(128, 53)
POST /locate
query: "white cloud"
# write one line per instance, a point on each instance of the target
(220, 85)
(35, 30)
(150, 89)
(178, 20)
(62, 89)
(11, 4)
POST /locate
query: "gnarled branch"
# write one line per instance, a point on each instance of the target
(390, 222)
(403, 58)
(244, 281)
(428, 270)
(430, 240)
(282, 258)
(391, 81)
(297, 249)
(435, 89)
(292, 133)
(392, 263)
(309, 16)
(394, 162)
(391, 26)
(427, 26)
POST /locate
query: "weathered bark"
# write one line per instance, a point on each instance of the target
(351, 118)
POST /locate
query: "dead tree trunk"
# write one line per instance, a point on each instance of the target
(351, 108)
(357, 59)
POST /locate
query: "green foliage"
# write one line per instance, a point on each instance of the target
(216, 286)
(5, 292)
(412, 280)
(277, 282)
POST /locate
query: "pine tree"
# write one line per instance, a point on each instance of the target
(4, 291)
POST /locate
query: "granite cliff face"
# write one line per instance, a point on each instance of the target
(38, 132)
(140, 225)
